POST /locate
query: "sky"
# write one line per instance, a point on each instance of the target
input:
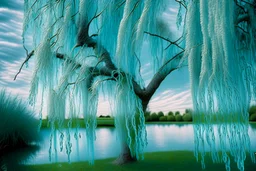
(172, 95)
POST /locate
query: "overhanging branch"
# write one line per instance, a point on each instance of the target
(25, 61)
(169, 66)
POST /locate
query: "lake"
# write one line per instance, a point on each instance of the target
(161, 137)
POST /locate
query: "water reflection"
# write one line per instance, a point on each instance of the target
(170, 137)
(162, 137)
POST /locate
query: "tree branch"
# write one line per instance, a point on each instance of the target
(182, 3)
(26, 60)
(169, 66)
(241, 18)
(171, 42)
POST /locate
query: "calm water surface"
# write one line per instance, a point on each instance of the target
(161, 137)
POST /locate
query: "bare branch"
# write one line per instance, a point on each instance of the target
(182, 3)
(242, 29)
(26, 60)
(162, 73)
(166, 39)
(241, 18)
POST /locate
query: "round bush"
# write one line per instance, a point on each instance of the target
(147, 113)
(253, 117)
(160, 114)
(147, 118)
(154, 117)
(170, 118)
(163, 118)
(170, 113)
(177, 113)
(178, 117)
(187, 117)
(252, 110)
(188, 111)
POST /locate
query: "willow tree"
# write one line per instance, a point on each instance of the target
(83, 48)
(220, 45)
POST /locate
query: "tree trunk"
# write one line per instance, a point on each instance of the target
(125, 156)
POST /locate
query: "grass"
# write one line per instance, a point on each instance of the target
(173, 160)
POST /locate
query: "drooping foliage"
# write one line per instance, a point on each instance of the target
(220, 44)
(86, 47)
(83, 48)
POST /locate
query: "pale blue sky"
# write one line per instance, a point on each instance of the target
(173, 94)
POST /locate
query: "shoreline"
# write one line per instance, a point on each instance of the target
(109, 122)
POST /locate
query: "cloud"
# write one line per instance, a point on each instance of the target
(12, 4)
(21, 84)
(171, 100)
(12, 55)
(9, 44)
(11, 19)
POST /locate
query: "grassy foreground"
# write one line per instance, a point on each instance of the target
(158, 161)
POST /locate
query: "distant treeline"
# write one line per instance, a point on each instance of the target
(177, 117)
(170, 116)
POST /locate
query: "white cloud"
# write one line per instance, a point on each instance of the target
(9, 44)
(10, 11)
(19, 86)
(165, 101)
(171, 100)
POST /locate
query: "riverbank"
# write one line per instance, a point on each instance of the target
(172, 160)
(105, 122)
(108, 122)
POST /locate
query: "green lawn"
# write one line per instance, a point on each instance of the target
(158, 161)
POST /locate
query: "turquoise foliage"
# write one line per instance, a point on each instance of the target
(221, 64)
(67, 87)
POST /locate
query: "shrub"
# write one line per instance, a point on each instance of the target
(17, 123)
(170, 113)
(188, 111)
(160, 114)
(177, 113)
(163, 118)
(102, 116)
(178, 117)
(147, 113)
(253, 117)
(252, 110)
(170, 118)
(187, 117)
(154, 117)
(147, 118)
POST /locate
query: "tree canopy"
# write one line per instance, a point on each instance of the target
(83, 48)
